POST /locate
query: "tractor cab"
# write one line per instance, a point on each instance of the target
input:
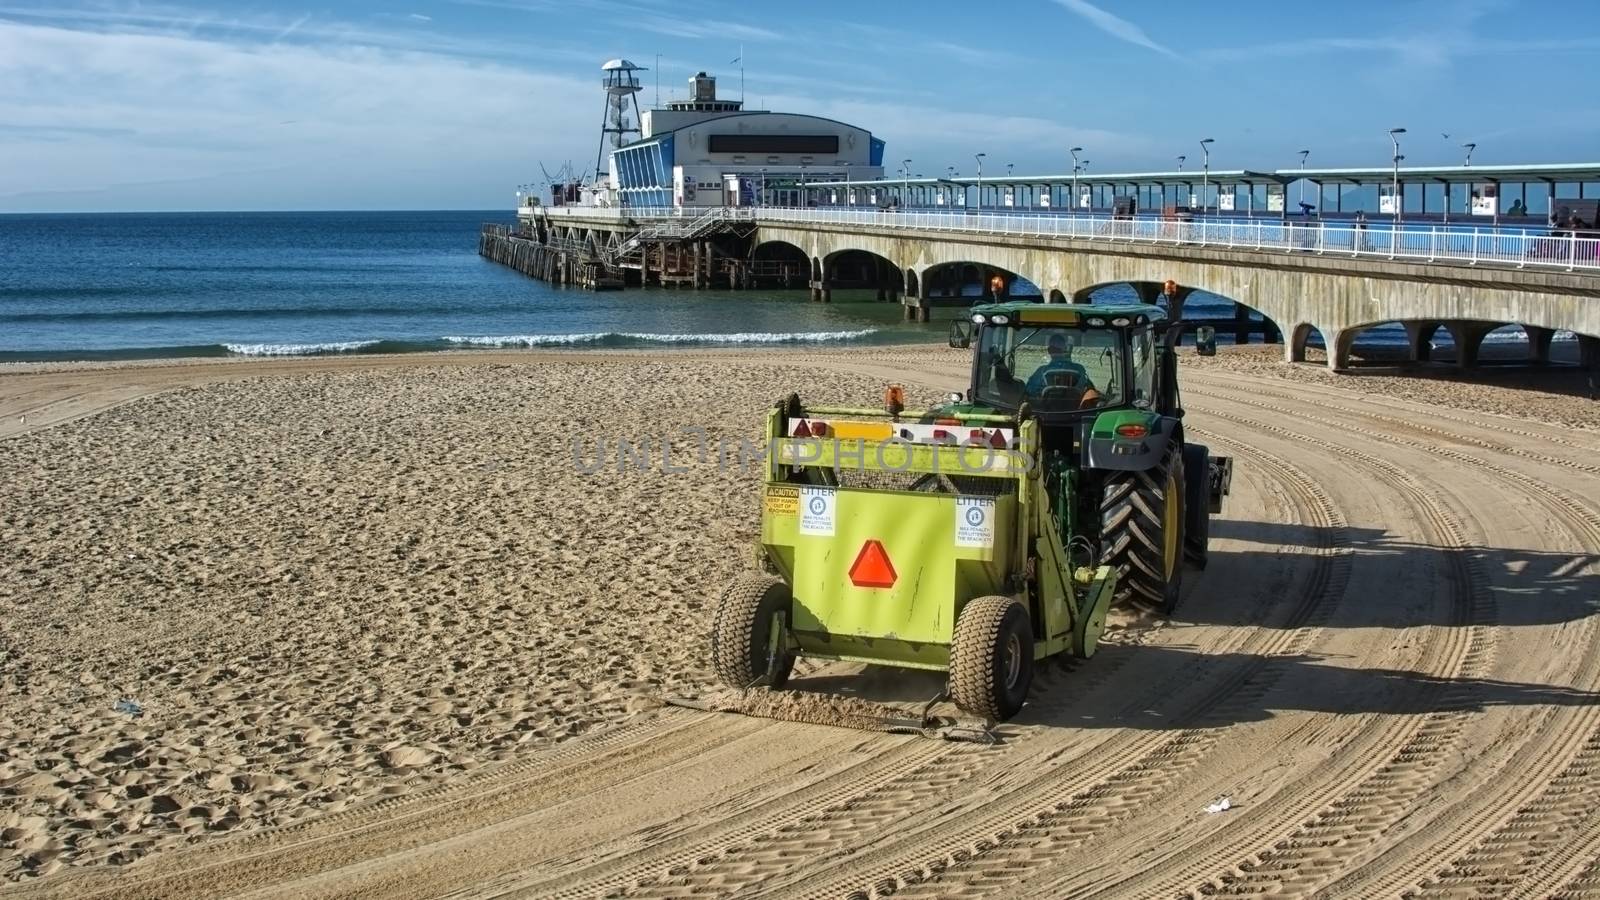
(1067, 365)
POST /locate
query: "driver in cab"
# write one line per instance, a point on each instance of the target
(1060, 369)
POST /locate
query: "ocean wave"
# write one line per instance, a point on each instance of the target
(299, 349)
(625, 337)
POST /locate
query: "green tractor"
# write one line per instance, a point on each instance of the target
(989, 533)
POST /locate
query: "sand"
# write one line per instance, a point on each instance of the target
(331, 588)
(299, 613)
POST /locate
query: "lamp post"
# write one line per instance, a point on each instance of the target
(1205, 177)
(849, 192)
(1303, 155)
(1394, 185)
(805, 202)
(1072, 202)
(979, 157)
(1469, 148)
(905, 182)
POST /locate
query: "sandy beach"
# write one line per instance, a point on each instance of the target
(246, 595)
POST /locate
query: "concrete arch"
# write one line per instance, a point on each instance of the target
(1300, 340)
(774, 249)
(975, 280)
(852, 268)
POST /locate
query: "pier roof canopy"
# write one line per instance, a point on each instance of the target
(1556, 172)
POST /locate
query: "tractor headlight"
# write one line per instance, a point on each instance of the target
(977, 319)
(1121, 321)
(999, 320)
(1097, 322)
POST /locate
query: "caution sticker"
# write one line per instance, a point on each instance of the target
(783, 501)
(974, 522)
(817, 508)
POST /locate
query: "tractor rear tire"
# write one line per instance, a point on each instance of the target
(991, 659)
(1197, 504)
(742, 629)
(1139, 514)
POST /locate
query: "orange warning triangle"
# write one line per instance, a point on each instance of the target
(872, 568)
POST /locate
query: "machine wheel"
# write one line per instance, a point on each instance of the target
(991, 660)
(740, 632)
(1141, 527)
(1197, 500)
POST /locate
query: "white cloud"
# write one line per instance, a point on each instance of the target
(420, 17)
(1114, 25)
(87, 116)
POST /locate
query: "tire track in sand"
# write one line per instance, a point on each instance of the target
(1043, 856)
(1509, 831)
(1550, 801)
(1374, 794)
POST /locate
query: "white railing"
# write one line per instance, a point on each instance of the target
(1444, 244)
(1469, 246)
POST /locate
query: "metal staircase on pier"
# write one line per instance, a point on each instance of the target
(630, 252)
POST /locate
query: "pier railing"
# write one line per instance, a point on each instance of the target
(1468, 246)
(1568, 251)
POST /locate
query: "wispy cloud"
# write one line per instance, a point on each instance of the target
(372, 126)
(419, 17)
(1114, 25)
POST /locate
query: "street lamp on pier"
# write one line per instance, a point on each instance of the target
(1394, 185)
(1469, 148)
(1303, 155)
(1072, 202)
(1205, 177)
(849, 192)
(905, 182)
(805, 202)
(979, 157)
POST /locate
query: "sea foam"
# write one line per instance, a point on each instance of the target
(298, 349)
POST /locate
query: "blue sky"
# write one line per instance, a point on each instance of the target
(357, 104)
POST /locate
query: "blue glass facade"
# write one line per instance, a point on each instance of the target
(877, 152)
(644, 172)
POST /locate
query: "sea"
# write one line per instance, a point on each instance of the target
(144, 286)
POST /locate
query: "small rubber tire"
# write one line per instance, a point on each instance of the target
(741, 629)
(991, 658)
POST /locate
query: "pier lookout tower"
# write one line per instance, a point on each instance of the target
(621, 81)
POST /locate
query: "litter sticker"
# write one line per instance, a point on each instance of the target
(783, 501)
(974, 522)
(817, 511)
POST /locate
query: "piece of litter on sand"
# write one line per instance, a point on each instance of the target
(128, 706)
(1222, 805)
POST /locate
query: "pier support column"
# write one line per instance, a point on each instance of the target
(1468, 337)
(1589, 358)
(1294, 349)
(1539, 343)
(1340, 341)
(1241, 324)
(698, 262)
(917, 309)
(1419, 340)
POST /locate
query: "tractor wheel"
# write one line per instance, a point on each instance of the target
(1141, 529)
(1197, 504)
(991, 660)
(742, 630)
